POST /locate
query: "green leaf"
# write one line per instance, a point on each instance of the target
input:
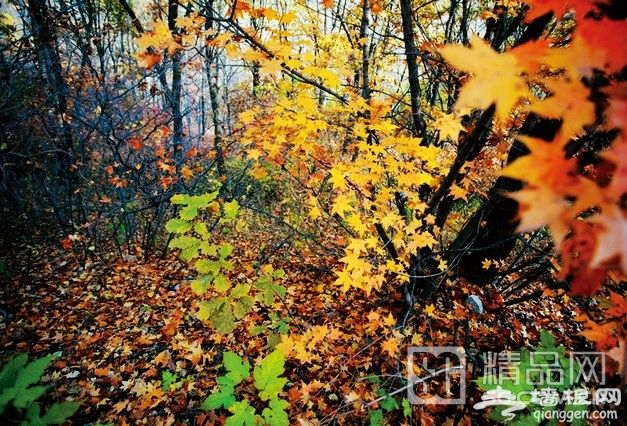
(60, 412)
(547, 340)
(25, 397)
(8, 374)
(180, 199)
(188, 213)
(208, 249)
(224, 398)
(225, 250)
(279, 273)
(269, 289)
(230, 210)
(243, 415)
(178, 226)
(201, 229)
(207, 266)
(283, 326)
(218, 311)
(257, 330)
(202, 201)
(168, 380)
(200, 285)
(242, 306)
(267, 374)
(389, 404)
(205, 309)
(32, 373)
(275, 414)
(406, 407)
(226, 265)
(7, 395)
(578, 414)
(240, 290)
(376, 417)
(184, 242)
(238, 369)
(189, 253)
(221, 283)
(32, 415)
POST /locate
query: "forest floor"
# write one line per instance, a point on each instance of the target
(132, 351)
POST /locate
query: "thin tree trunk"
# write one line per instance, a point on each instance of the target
(411, 55)
(211, 70)
(50, 65)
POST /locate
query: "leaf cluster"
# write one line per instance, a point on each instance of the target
(228, 302)
(19, 393)
(267, 382)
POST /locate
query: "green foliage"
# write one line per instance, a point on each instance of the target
(243, 415)
(266, 375)
(238, 369)
(198, 216)
(376, 417)
(19, 392)
(268, 289)
(537, 376)
(170, 381)
(223, 398)
(265, 379)
(387, 404)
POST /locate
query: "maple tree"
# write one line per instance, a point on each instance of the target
(336, 177)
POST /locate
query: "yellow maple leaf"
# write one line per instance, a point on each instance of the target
(389, 320)
(449, 126)
(458, 192)
(416, 339)
(486, 264)
(337, 179)
(272, 66)
(147, 40)
(357, 245)
(344, 279)
(342, 205)
(424, 239)
(391, 346)
(496, 78)
(429, 309)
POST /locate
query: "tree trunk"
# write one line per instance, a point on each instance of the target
(211, 70)
(489, 234)
(45, 42)
(411, 54)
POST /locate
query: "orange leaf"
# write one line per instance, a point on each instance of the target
(102, 372)
(163, 358)
(148, 59)
(135, 143)
(601, 334)
(619, 305)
